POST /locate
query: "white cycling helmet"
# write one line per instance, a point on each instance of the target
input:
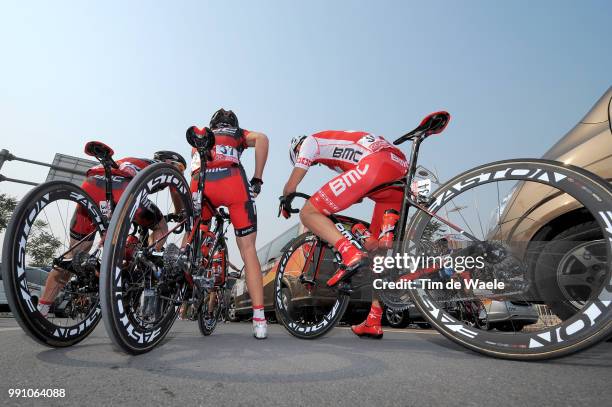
(294, 147)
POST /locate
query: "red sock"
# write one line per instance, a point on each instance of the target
(375, 316)
(346, 249)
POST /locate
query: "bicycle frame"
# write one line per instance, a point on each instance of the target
(400, 228)
(408, 200)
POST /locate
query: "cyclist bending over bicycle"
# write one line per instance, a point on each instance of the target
(364, 161)
(82, 226)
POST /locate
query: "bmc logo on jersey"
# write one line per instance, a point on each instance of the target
(348, 154)
(344, 181)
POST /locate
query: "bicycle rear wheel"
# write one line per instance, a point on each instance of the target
(140, 298)
(37, 238)
(304, 304)
(521, 248)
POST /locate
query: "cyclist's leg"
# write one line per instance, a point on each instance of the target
(231, 188)
(243, 216)
(384, 200)
(151, 217)
(343, 191)
(212, 301)
(390, 198)
(80, 226)
(57, 279)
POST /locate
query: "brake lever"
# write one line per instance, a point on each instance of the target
(281, 205)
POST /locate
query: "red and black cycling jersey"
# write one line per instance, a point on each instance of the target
(128, 167)
(94, 184)
(230, 142)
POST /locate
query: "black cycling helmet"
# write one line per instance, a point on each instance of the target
(222, 116)
(166, 155)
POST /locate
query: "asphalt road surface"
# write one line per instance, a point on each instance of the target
(230, 368)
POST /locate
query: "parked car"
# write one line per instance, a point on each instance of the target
(403, 318)
(552, 219)
(269, 256)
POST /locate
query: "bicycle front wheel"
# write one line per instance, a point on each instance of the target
(304, 304)
(141, 286)
(540, 228)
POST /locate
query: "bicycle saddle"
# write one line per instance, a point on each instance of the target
(202, 139)
(99, 150)
(433, 123)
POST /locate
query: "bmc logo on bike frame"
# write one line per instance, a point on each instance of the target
(340, 184)
(348, 154)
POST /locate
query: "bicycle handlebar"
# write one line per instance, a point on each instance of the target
(285, 202)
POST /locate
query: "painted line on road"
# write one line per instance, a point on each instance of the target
(9, 329)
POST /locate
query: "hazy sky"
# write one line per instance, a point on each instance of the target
(515, 76)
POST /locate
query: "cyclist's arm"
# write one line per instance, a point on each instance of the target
(297, 175)
(260, 142)
(176, 200)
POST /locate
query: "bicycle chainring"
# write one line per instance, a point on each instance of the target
(397, 300)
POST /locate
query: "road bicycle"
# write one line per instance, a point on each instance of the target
(208, 304)
(38, 240)
(488, 191)
(140, 303)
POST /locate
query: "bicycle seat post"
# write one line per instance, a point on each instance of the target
(108, 180)
(414, 156)
(202, 174)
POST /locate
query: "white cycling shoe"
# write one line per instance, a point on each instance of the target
(260, 329)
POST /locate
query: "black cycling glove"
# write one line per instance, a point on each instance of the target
(256, 184)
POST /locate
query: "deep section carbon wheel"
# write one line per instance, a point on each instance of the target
(505, 205)
(141, 288)
(40, 258)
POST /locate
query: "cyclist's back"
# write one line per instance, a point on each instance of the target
(128, 167)
(341, 150)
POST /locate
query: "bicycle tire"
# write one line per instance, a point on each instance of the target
(15, 238)
(297, 328)
(204, 328)
(124, 333)
(573, 334)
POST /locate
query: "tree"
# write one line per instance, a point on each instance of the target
(7, 206)
(42, 245)
(433, 231)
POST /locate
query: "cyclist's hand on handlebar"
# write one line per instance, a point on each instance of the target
(282, 207)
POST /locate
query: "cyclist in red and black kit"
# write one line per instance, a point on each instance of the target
(82, 225)
(226, 184)
(364, 162)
